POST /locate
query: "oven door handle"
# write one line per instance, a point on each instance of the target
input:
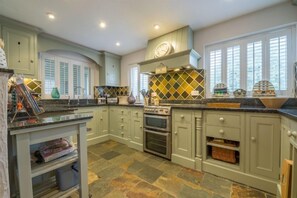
(164, 117)
(157, 133)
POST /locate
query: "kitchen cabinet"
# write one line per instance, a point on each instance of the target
(97, 127)
(21, 50)
(136, 129)
(119, 124)
(263, 145)
(109, 73)
(255, 144)
(289, 151)
(183, 137)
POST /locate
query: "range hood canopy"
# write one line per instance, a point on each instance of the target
(173, 50)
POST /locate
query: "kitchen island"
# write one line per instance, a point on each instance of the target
(23, 134)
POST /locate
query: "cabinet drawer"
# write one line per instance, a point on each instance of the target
(123, 119)
(182, 116)
(137, 113)
(123, 127)
(223, 119)
(123, 112)
(223, 132)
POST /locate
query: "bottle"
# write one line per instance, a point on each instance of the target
(131, 99)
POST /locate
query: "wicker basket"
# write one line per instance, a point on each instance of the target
(223, 154)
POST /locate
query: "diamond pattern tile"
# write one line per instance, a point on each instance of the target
(178, 85)
(112, 91)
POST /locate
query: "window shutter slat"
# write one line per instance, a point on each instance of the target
(49, 75)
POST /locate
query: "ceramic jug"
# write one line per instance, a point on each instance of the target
(55, 93)
(131, 99)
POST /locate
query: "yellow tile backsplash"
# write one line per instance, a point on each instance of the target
(178, 85)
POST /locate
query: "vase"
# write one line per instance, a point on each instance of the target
(131, 99)
(55, 93)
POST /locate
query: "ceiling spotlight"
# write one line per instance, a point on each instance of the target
(102, 24)
(156, 26)
(50, 15)
(118, 43)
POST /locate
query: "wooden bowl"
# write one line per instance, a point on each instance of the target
(272, 102)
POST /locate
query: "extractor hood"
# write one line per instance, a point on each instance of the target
(172, 51)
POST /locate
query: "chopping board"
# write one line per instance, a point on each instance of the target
(286, 178)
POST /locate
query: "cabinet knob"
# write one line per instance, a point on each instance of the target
(289, 133)
(122, 126)
(101, 118)
(221, 119)
(221, 131)
(32, 61)
(122, 133)
(175, 132)
(140, 127)
(293, 133)
(136, 113)
(182, 116)
(253, 139)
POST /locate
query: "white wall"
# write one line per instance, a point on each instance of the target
(127, 61)
(260, 20)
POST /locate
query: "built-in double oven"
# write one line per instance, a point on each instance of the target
(157, 130)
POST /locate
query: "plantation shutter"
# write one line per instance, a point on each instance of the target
(134, 80)
(49, 75)
(215, 68)
(76, 80)
(278, 62)
(64, 78)
(233, 68)
(254, 63)
(87, 80)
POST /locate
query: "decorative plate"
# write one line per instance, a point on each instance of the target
(239, 93)
(163, 49)
(263, 88)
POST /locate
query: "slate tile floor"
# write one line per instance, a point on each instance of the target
(126, 173)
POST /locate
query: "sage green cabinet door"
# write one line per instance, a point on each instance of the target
(137, 130)
(263, 138)
(104, 120)
(182, 139)
(20, 49)
(286, 152)
(114, 121)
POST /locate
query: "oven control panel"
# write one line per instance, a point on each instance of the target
(157, 110)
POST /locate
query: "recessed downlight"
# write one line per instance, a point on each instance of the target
(118, 43)
(102, 24)
(156, 26)
(51, 16)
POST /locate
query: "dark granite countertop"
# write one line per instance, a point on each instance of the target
(99, 105)
(47, 120)
(289, 113)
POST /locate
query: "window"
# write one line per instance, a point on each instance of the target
(245, 61)
(70, 76)
(138, 81)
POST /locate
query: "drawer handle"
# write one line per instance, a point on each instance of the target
(253, 139)
(221, 119)
(136, 113)
(122, 111)
(182, 116)
(101, 118)
(292, 133)
(140, 127)
(221, 131)
(122, 126)
(175, 133)
(122, 118)
(122, 133)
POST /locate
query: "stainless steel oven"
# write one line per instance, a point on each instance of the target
(157, 130)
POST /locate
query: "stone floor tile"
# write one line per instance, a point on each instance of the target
(100, 188)
(166, 195)
(149, 174)
(188, 192)
(154, 161)
(239, 191)
(125, 182)
(169, 168)
(140, 156)
(136, 166)
(190, 175)
(169, 183)
(98, 149)
(110, 173)
(144, 190)
(217, 185)
(110, 154)
(99, 165)
(92, 158)
(115, 194)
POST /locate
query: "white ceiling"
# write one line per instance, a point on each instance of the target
(129, 22)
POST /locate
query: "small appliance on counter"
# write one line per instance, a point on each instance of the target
(123, 99)
(101, 100)
(112, 100)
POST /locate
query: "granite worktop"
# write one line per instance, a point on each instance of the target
(44, 120)
(289, 113)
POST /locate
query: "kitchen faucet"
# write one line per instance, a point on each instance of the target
(76, 88)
